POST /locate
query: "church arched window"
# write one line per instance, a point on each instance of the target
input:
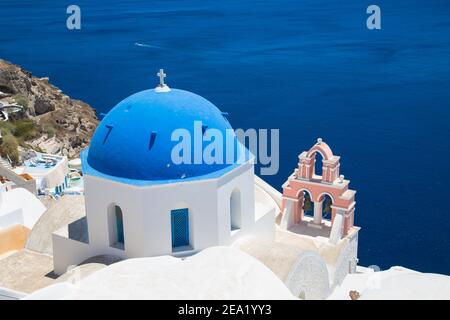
(116, 230)
(235, 210)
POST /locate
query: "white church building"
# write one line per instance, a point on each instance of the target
(140, 204)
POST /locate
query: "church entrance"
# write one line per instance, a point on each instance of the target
(180, 227)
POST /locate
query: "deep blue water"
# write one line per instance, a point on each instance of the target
(308, 67)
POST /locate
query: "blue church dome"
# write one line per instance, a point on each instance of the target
(134, 140)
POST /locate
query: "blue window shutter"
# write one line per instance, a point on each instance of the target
(180, 227)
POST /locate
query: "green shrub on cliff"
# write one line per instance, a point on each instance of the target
(25, 130)
(9, 148)
(21, 100)
(49, 130)
(6, 128)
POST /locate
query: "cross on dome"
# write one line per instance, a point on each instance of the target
(161, 76)
(162, 87)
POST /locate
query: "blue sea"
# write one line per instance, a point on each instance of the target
(379, 98)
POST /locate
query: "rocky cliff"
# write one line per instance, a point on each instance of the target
(44, 119)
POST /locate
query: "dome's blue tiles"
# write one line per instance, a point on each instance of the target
(133, 141)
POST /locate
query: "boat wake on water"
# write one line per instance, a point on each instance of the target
(138, 44)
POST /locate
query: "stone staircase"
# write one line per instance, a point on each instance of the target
(6, 171)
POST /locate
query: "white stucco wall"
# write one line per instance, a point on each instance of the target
(308, 277)
(201, 200)
(347, 259)
(241, 181)
(147, 216)
(68, 253)
(19, 206)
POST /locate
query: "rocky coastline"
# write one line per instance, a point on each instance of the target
(38, 116)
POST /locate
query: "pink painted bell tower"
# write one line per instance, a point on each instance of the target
(330, 183)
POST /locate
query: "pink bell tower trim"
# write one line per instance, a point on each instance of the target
(330, 184)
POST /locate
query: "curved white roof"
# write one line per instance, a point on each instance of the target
(19, 206)
(214, 273)
(397, 283)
